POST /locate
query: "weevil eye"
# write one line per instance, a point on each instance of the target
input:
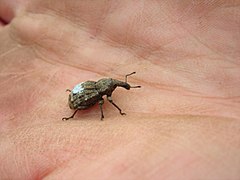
(127, 86)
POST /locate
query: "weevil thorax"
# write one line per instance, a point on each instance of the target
(107, 85)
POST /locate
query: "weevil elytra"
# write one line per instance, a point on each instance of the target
(86, 94)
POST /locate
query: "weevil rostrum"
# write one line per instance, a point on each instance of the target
(86, 94)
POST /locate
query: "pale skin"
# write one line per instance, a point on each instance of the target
(182, 124)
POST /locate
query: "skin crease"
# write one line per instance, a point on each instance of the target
(182, 124)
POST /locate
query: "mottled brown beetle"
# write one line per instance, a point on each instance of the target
(86, 94)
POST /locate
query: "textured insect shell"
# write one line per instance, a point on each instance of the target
(105, 86)
(84, 95)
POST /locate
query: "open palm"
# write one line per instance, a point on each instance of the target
(182, 123)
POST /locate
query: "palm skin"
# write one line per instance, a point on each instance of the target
(182, 124)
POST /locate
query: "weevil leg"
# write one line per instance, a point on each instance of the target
(67, 118)
(68, 90)
(111, 101)
(100, 102)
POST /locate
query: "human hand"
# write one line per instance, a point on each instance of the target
(182, 124)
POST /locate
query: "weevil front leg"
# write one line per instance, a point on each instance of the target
(111, 101)
(67, 118)
(100, 102)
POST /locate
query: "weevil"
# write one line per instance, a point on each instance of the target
(87, 94)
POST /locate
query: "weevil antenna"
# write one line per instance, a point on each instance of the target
(129, 75)
(135, 86)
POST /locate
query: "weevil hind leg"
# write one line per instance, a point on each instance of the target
(111, 101)
(68, 90)
(100, 102)
(67, 118)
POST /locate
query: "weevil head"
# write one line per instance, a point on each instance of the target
(117, 83)
(107, 85)
(124, 84)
